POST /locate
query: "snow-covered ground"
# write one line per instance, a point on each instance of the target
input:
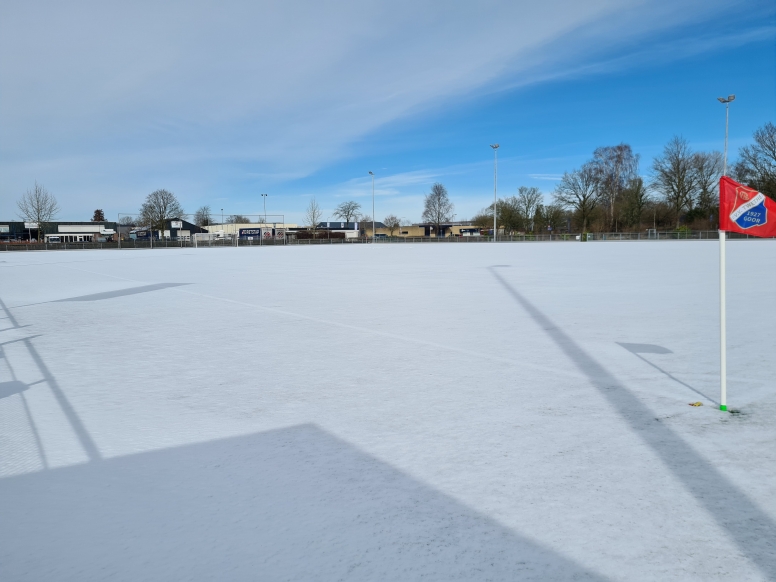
(388, 412)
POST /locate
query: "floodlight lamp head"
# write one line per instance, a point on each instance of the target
(494, 146)
(721, 100)
(731, 97)
(371, 173)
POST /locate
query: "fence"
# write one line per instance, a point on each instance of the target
(517, 238)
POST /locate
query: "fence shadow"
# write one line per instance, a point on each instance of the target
(748, 525)
(638, 349)
(121, 292)
(289, 504)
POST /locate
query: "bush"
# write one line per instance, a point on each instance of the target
(318, 234)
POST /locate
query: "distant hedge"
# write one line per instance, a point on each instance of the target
(305, 234)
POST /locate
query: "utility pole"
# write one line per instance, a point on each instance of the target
(495, 188)
(373, 205)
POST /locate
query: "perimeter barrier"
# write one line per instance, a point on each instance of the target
(232, 241)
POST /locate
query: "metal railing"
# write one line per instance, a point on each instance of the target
(516, 238)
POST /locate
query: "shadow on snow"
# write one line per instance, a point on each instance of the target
(748, 525)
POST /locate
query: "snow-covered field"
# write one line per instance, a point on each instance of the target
(388, 412)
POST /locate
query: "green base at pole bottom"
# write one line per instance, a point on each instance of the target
(723, 406)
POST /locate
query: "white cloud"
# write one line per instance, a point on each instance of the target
(95, 92)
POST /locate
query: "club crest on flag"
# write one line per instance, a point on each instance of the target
(745, 210)
(750, 208)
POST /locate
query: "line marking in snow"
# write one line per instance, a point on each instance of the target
(511, 362)
(544, 369)
(396, 337)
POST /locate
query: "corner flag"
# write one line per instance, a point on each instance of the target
(744, 210)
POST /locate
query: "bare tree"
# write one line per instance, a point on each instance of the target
(159, 207)
(128, 221)
(99, 216)
(203, 216)
(757, 164)
(708, 169)
(528, 202)
(484, 218)
(313, 215)
(553, 216)
(577, 191)
(675, 176)
(238, 219)
(38, 206)
(347, 211)
(392, 222)
(437, 208)
(636, 198)
(615, 166)
(509, 215)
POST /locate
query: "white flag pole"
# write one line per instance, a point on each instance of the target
(722, 236)
(722, 320)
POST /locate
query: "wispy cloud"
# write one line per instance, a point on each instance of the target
(279, 90)
(654, 54)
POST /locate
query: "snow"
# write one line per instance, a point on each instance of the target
(388, 412)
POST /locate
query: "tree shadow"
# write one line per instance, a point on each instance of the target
(748, 525)
(12, 387)
(121, 292)
(289, 504)
(638, 349)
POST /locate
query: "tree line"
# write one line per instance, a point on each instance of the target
(606, 193)
(609, 193)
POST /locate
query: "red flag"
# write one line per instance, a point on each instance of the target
(742, 209)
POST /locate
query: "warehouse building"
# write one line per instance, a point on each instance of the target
(174, 229)
(57, 231)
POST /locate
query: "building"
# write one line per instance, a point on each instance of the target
(460, 228)
(57, 232)
(354, 229)
(249, 230)
(174, 229)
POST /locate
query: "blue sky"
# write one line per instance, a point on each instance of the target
(222, 102)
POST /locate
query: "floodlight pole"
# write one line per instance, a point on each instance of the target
(373, 206)
(722, 271)
(264, 196)
(727, 122)
(727, 119)
(495, 188)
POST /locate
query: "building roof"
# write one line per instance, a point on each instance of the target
(446, 224)
(348, 225)
(214, 227)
